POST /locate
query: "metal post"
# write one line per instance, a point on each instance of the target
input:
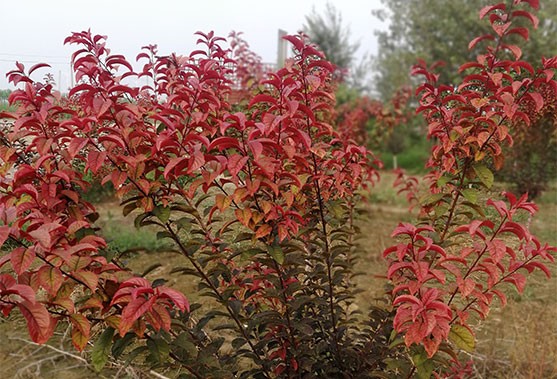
(282, 48)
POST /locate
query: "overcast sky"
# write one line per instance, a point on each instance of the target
(34, 30)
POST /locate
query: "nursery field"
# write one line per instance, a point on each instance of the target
(223, 221)
(526, 347)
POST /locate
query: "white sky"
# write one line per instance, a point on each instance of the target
(34, 30)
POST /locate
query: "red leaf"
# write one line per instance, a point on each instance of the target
(533, 3)
(466, 286)
(197, 160)
(172, 164)
(95, 160)
(159, 318)
(263, 231)
(78, 262)
(468, 65)
(21, 259)
(235, 164)
(296, 41)
(42, 236)
(514, 49)
(497, 249)
(113, 138)
(416, 333)
(81, 330)
(517, 66)
(39, 322)
(9, 286)
(79, 340)
(262, 98)
(521, 13)
(243, 215)
(222, 143)
(136, 281)
(4, 234)
(501, 29)
(523, 32)
(134, 310)
(50, 278)
(37, 66)
(518, 280)
(90, 279)
(76, 145)
(256, 148)
(538, 99)
(475, 41)
(176, 296)
(77, 225)
(501, 296)
(533, 265)
(489, 8)
(118, 178)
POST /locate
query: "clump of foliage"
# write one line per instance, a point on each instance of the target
(4, 94)
(260, 203)
(531, 163)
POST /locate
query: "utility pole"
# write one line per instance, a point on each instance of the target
(282, 48)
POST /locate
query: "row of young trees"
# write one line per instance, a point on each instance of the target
(260, 202)
(435, 31)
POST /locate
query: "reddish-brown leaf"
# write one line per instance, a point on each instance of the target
(475, 41)
(39, 322)
(50, 278)
(22, 258)
(134, 310)
(175, 296)
(90, 279)
(4, 234)
(81, 330)
(485, 10)
(95, 160)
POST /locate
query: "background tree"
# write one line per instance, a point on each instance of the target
(333, 38)
(4, 94)
(439, 30)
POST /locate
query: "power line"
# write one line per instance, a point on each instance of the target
(33, 55)
(14, 60)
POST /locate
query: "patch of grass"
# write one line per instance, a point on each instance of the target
(383, 193)
(413, 158)
(122, 236)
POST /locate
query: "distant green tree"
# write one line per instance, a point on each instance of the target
(440, 30)
(333, 38)
(4, 94)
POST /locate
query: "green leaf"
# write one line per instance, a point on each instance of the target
(162, 213)
(431, 198)
(484, 174)
(164, 234)
(443, 180)
(424, 365)
(121, 343)
(184, 347)
(475, 207)
(158, 350)
(129, 208)
(99, 355)
(471, 195)
(276, 252)
(462, 337)
(238, 342)
(134, 354)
